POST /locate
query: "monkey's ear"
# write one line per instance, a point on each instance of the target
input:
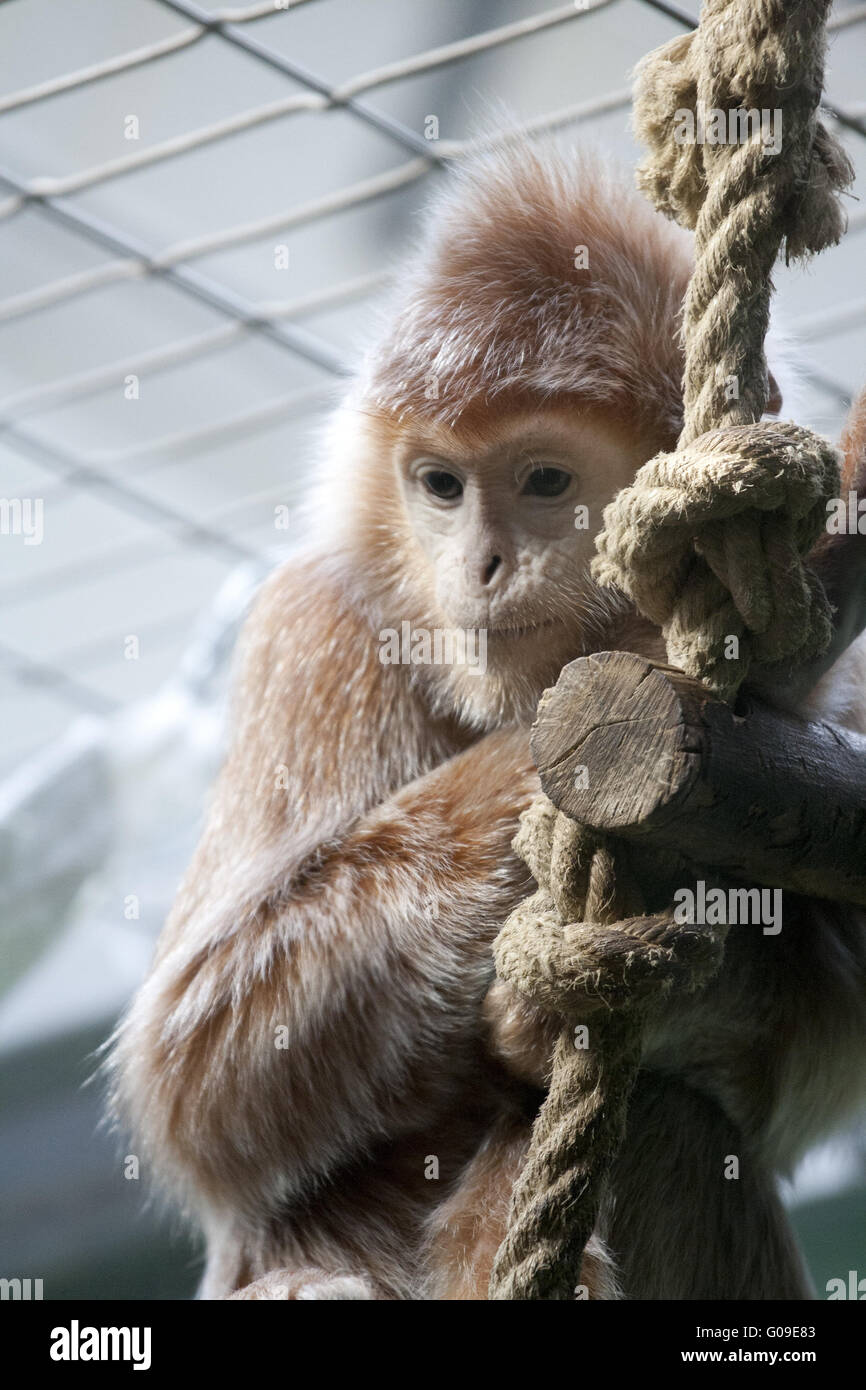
(774, 403)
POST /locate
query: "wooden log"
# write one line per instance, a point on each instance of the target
(643, 752)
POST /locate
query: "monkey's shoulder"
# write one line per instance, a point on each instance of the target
(308, 611)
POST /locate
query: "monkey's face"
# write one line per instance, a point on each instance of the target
(505, 515)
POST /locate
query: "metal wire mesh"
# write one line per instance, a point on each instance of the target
(176, 311)
(47, 434)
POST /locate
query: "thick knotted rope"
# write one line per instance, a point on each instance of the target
(561, 949)
(739, 505)
(709, 542)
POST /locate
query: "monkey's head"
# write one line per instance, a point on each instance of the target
(530, 364)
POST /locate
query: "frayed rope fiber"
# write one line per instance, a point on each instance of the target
(710, 543)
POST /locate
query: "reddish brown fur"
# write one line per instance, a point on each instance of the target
(854, 447)
(495, 309)
(356, 864)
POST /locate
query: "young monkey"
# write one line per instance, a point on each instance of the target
(317, 1064)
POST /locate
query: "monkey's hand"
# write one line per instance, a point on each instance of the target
(519, 1034)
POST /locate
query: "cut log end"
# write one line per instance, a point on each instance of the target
(613, 742)
(643, 752)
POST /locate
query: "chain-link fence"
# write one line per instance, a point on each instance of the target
(200, 207)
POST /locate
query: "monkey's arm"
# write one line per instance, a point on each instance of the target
(318, 984)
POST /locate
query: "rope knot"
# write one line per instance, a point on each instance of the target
(709, 543)
(734, 71)
(574, 947)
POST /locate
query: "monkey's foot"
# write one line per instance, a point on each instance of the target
(307, 1284)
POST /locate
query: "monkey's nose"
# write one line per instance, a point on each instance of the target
(490, 569)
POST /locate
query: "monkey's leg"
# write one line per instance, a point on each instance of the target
(468, 1227)
(308, 1284)
(230, 1273)
(677, 1226)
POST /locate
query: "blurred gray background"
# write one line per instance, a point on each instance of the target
(176, 311)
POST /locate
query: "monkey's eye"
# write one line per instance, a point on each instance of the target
(443, 484)
(547, 482)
